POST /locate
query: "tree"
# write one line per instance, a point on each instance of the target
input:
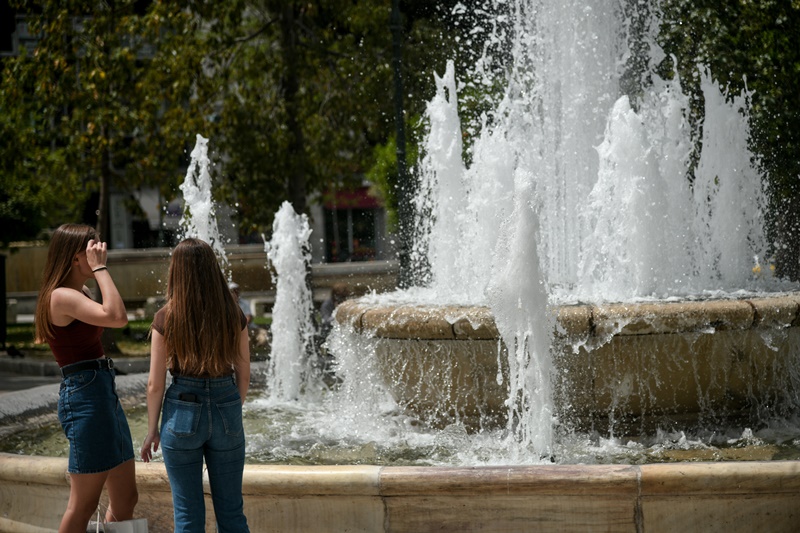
(298, 111)
(23, 199)
(293, 95)
(89, 108)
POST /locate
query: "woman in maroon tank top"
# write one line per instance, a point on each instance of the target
(101, 451)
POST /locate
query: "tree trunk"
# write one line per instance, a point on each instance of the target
(296, 156)
(405, 187)
(103, 227)
(104, 233)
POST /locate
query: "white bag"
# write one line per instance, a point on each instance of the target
(135, 525)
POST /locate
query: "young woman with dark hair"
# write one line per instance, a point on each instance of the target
(71, 322)
(200, 336)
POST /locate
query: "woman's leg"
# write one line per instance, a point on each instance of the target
(225, 470)
(84, 495)
(185, 471)
(225, 462)
(122, 493)
(184, 429)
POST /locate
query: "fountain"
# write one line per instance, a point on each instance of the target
(578, 279)
(586, 282)
(291, 353)
(199, 217)
(584, 301)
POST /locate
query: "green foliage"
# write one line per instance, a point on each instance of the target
(96, 104)
(295, 96)
(292, 95)
(383, 173)
(308, 97)
(752, 45)
(23, 201)
(341, 66)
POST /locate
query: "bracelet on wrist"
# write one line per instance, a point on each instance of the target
(98, 269)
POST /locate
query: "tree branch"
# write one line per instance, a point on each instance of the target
(256, 34)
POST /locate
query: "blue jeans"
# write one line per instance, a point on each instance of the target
(202, 419)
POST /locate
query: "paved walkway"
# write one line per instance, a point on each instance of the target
(11, 381)
(21, 373)
(29, 388)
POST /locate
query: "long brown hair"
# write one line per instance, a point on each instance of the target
(66, 242)
(202, 320)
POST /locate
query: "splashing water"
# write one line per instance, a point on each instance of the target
(199, 217)
(608, 177)
(292, 351)
(574, 192)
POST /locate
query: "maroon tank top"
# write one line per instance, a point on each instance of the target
(76, 342)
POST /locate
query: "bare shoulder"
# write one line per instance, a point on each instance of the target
(63, 302)
(65, 295)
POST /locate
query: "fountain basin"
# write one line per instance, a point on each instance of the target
(728, 496)
(620, 365)
(661, 497)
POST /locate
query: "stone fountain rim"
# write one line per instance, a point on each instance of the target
(700, 476)
(385, 498)
(576, 321)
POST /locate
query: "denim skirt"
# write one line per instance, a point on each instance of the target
(93, 421)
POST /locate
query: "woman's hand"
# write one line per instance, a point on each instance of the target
(96, 253)
(150, 446)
